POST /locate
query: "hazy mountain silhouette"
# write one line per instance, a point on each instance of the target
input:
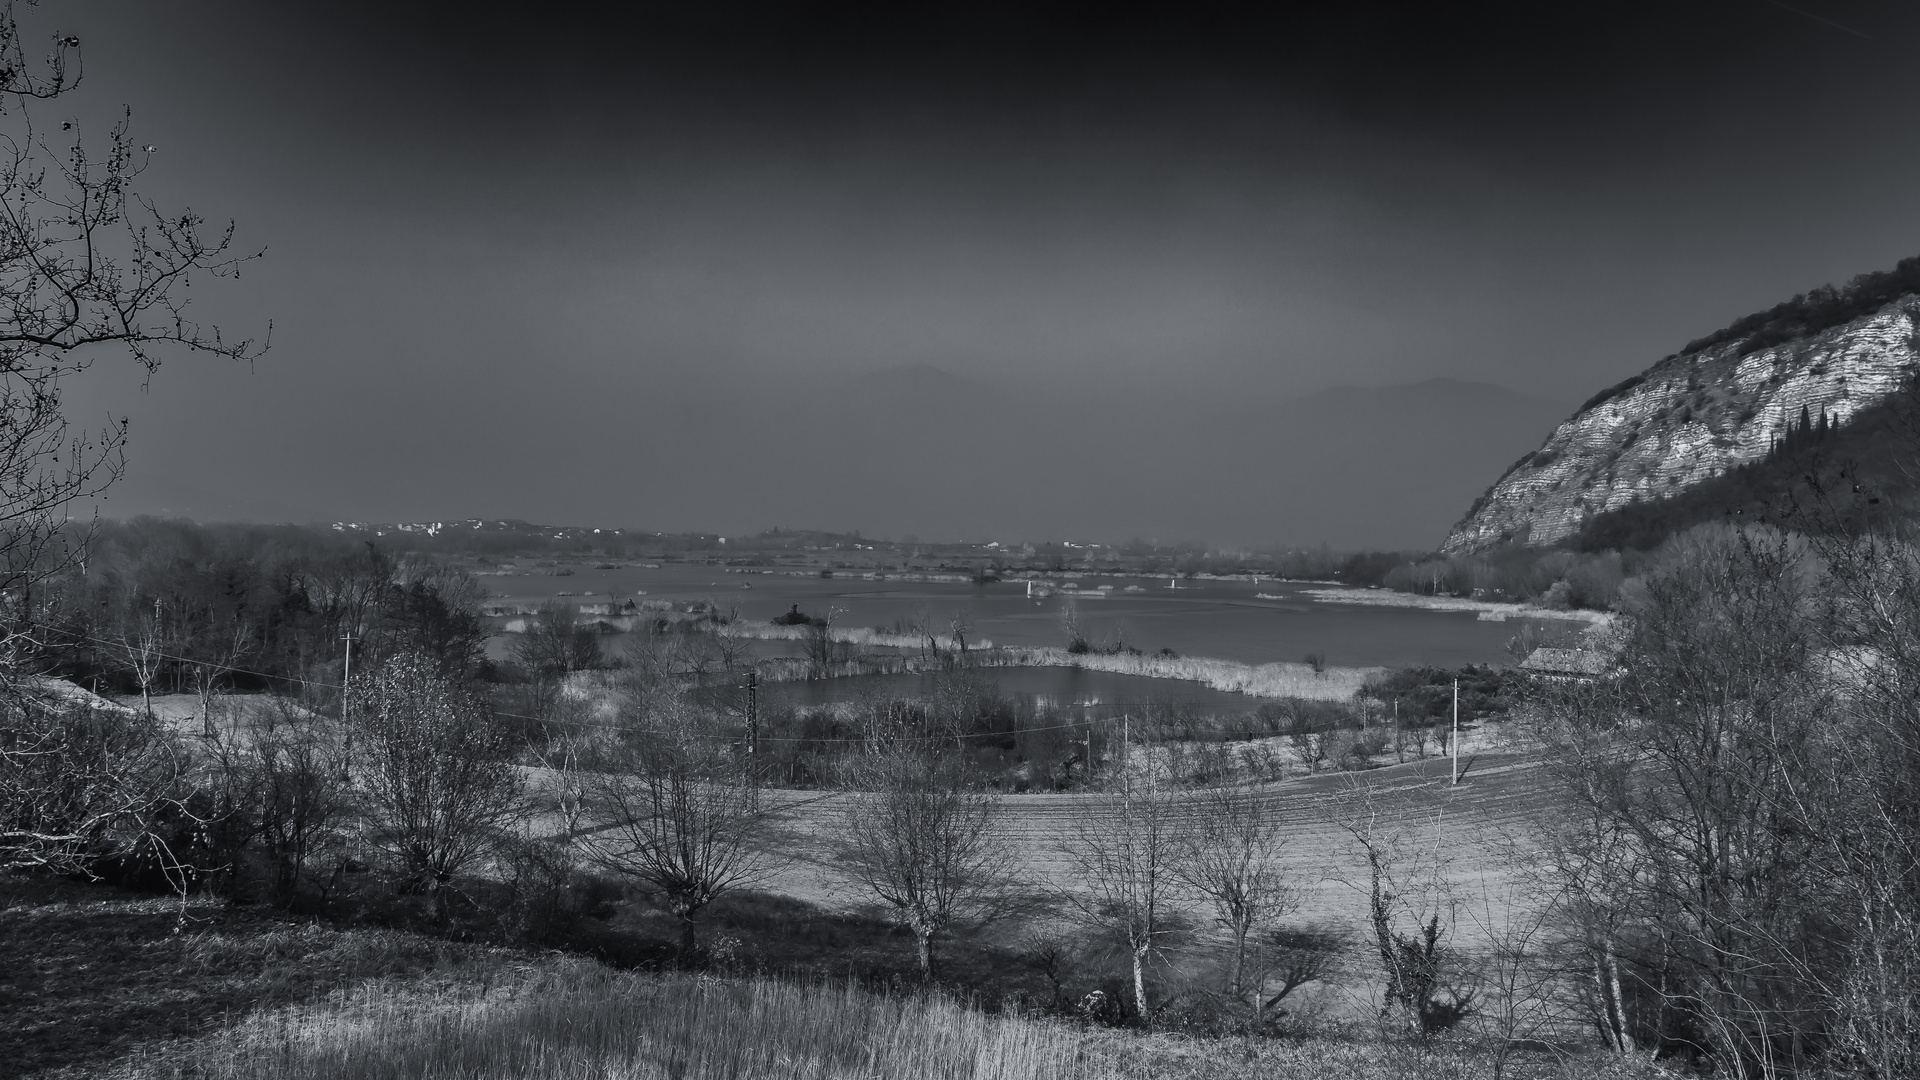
(142, 493)
(918, 449)
(1380, 466)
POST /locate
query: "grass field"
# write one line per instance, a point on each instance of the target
(1463, 832)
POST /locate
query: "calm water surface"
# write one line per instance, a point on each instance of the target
(1251, 622)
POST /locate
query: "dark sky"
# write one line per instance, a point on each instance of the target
(539, 262)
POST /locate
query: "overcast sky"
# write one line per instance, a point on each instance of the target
(523, 261)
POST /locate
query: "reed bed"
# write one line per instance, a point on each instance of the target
(1276, 680)
(1280, 680)
(588, 1022)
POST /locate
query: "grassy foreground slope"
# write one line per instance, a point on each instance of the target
(97, 982)
(101, 985)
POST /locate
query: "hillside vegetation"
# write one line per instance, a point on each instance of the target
(1844, 476)
(1811, 312)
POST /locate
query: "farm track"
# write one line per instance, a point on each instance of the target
(1464, 831)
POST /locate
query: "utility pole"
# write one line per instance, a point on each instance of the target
(753, 734)
(346, 696)
(1456, 731)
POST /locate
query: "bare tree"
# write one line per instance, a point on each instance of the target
(1868, 540)
(555, 643)
(1070, 627)
(220, 658)
(1519, 970)
(1415, 964)
(146, 650)
(78, 784)
(959, 625)
(1702, 805)
(434, 768)
(1123, 852)
(302, 801)
(1427, 984)
(729, 642)
(1591, 877)
(824, 650)
(678, 815)
(920, 624)
(1230, 860)
(86, 263)
(920, 841)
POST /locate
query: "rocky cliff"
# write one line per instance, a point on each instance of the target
(1689, 418)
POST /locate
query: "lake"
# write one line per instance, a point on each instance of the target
(1246, 621)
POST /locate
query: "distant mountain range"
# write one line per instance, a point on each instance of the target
(141, 492)
(920, 450)
(924, 451)
(1727, 426)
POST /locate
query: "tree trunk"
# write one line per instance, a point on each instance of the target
(923, 949)
(688, 943)
(1616, 1008)
(1238, 985)
(1140, 983)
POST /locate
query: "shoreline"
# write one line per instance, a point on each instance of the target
(1279, 679)
(1488, 610)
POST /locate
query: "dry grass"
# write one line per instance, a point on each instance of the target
(1278, 680)
(88, 973)
(103, 987)
(573, 1020)
(582, 1020)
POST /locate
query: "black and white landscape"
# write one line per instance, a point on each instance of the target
(711, 542)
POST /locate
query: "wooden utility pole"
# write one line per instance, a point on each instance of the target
(753, 734)
(1456, 731)
(346, 697)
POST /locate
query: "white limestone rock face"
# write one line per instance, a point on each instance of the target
(1690, 419)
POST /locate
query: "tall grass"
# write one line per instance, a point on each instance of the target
(590, 1022)
(1259, 680)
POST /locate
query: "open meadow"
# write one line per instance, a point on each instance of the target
(1467, 836)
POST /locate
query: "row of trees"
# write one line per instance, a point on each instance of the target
(172, 607)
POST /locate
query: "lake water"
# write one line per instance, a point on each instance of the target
(1247, 621)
